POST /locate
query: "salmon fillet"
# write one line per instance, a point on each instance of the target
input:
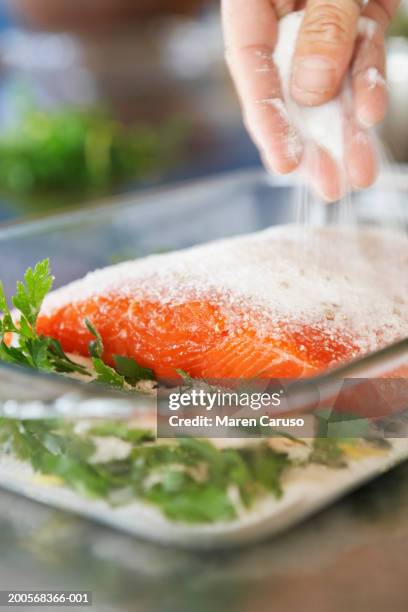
(267, 304)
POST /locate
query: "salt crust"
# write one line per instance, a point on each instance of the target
(336, 279)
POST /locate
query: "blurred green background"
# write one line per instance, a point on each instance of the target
(99, 99)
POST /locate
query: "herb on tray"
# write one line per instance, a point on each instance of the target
(32, 350)
(126, 372)
(189, 480)
(40, 352)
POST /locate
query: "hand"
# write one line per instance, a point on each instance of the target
(328, 45)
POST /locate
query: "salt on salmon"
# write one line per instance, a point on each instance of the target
(283, 303)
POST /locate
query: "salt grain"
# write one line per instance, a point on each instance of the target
(374, 78)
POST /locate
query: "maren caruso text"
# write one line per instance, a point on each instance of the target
(228, 421)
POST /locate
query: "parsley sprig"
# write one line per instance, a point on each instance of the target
(189, 480)
(20, 344)
(127, 371)
(31, 349)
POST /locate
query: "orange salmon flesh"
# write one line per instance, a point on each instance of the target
(194, 337)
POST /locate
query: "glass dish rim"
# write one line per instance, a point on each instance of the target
(396, 177)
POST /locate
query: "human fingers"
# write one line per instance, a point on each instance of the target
(250, 32)
(368, 71)
(324, 49)
(323, 173)
(360, 156)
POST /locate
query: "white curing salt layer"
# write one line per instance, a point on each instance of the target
(337, 279)
(323, 124)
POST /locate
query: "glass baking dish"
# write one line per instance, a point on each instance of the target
(157, 221)
(165, 219)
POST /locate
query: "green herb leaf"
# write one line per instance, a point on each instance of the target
(30, 349)
(43, 353)
(126, 370)
(30, 294)
(107, 375)
(189, 480)
(192, 503)
(131, 370)
(95, 347)
(60, 360)
(7, 324)
(184, 375)
(3, 301)
(122, 431)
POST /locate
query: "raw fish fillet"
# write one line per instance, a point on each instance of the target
(281, 303)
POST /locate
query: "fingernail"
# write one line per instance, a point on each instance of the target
(314, 75)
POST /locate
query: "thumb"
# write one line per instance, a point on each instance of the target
(324, 49)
